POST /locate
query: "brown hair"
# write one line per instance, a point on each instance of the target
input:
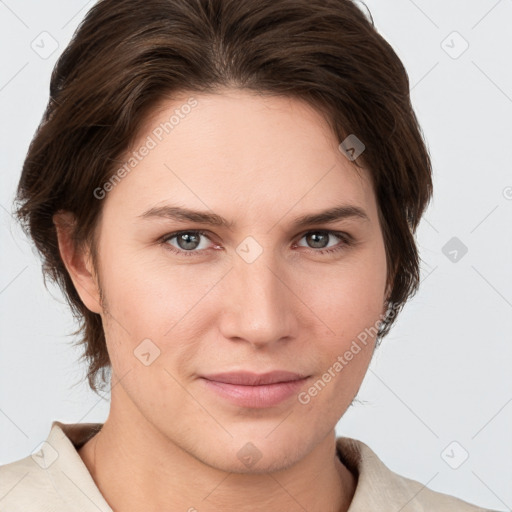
(127, 56)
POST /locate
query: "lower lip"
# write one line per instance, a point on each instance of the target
(256, 396)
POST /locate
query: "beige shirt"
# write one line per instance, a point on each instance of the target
(55, 479)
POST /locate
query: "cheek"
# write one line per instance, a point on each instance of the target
(146, 292)
(350, 296)
(151, 300)
(349, 301)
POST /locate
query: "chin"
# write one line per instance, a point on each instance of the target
(254, 456)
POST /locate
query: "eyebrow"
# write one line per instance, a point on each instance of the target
(201, 217)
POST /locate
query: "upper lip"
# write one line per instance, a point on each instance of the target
(255, 379)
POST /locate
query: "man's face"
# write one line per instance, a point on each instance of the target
(258, 296)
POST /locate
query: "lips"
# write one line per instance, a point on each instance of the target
(254, 379)
(252, 390)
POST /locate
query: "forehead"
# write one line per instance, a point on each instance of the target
(240, 149)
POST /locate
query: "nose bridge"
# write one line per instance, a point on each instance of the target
(259, 306)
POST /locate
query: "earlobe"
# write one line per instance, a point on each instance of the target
(78, 262)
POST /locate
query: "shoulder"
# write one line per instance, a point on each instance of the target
(378, 485)
(54, 477)
(22, 484)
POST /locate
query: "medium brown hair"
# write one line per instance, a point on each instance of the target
(127, 56)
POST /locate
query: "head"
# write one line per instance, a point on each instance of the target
(243, 110)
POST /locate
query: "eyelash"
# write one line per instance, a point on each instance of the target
(345, 237)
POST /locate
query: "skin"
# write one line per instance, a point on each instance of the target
(169, 443)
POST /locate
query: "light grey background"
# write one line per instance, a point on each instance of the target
(443, 374)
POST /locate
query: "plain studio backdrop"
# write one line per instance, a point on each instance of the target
(436, 403)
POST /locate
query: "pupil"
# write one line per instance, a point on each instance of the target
(316, 237)
(186, 237)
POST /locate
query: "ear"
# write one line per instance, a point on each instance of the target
(78, 262)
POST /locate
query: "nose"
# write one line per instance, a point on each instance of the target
(258, 303)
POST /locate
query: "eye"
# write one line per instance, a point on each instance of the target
(188, 243)
(320, 238)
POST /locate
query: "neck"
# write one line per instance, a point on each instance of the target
(136, 467)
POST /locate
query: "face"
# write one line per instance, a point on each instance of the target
(187, 299)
